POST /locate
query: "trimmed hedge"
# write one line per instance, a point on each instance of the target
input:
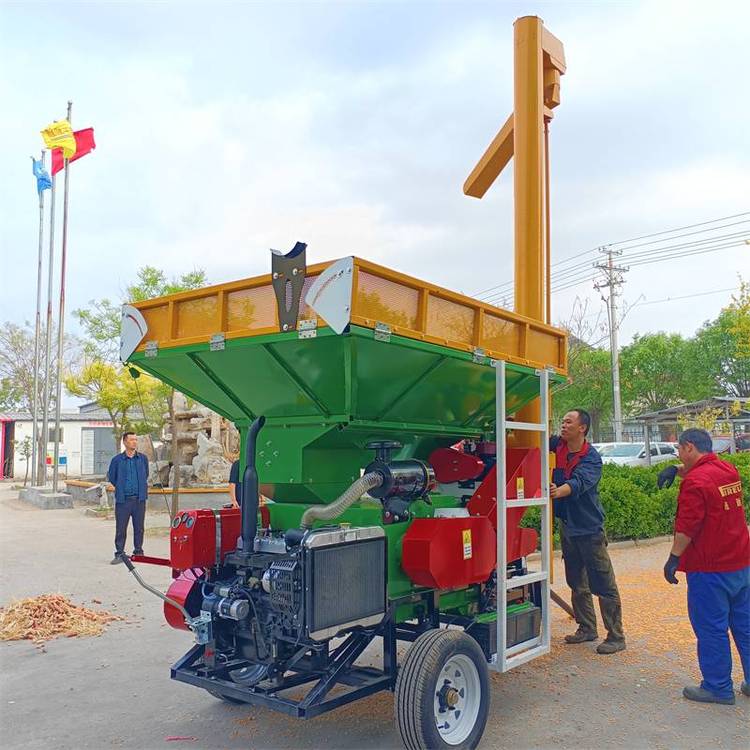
(636, 508)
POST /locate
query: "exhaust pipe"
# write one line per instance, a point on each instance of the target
(250, 499)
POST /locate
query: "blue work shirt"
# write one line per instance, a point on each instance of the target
(129, 476)
(580, 512)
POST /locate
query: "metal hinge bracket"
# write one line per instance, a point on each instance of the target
(308, 329)
(382, 332)
(217, 342)
(479, 356)
(152, 348)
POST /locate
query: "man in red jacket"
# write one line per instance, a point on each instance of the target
(712, 546)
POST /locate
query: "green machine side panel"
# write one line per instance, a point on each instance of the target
(325, 398)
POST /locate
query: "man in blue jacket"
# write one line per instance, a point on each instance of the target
(588, 569)
(128, 473)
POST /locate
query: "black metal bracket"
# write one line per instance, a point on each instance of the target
(288, 279)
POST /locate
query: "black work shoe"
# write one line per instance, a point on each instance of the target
(745, 689)
(581, 636)
(137, 552)
(116, 560)
(702, 695)
(610, 647)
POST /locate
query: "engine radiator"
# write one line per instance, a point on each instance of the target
(345, 579)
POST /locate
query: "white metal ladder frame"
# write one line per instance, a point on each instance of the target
(507, 658)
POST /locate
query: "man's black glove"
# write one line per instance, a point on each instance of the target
(670, 568)
(666, 477)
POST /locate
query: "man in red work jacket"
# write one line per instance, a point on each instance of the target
(712, 546)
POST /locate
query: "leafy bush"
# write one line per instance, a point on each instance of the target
(636, 508)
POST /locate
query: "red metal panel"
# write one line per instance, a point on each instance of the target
(451, 465)
(193, 539)
(445, 553)
(521, 463)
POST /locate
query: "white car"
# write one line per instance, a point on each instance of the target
(634, 454)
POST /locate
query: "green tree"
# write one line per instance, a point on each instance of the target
(100, 321)
(109, 383)
(23, 447)
(114, 390)
(17, 365)
(656, 371)
(722, 348)
(590, 387)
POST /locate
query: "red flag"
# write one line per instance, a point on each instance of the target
(84, 145)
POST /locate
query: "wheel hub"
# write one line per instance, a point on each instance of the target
(457, 701)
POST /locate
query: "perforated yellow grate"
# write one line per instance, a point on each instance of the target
(197, 317)
(450, 320)
(501, 335)
(385, 301)
(410, 307)
(251, 309)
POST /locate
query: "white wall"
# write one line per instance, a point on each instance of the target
(71, 444)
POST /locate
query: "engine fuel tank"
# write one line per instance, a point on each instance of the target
(201, 538)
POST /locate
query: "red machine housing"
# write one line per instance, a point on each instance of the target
(453, 552)
(446, 553)
(185, 590)
(193, 537)
(523, 464)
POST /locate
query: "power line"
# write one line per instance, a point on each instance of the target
(698, 251)
(563, 261)
(687, 296)
(659, 258)
(568, 273)
(679, 229)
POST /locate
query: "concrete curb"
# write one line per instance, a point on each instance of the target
(45, 500)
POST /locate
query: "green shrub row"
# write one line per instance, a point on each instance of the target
(636, 508)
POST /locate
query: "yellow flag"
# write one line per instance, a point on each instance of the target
(60, 135)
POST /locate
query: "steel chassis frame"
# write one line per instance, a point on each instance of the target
(329, 669)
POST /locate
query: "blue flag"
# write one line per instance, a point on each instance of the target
(43, 181)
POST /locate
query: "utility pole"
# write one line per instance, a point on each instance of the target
(612, 280)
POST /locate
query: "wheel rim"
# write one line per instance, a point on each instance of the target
(458, 696)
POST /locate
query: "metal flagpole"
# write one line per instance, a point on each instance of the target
(42, 472)
(61, 320)
(37, 327)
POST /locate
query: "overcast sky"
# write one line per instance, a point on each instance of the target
(226, 129)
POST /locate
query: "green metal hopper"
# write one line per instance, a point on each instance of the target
(412, 362)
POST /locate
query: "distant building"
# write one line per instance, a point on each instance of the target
(87, 442)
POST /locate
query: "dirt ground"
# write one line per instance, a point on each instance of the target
(114, 691)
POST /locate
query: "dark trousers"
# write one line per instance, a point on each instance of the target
(718, 603)
(131, 508)
(588, 570)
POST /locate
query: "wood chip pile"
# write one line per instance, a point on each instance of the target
(42, 618)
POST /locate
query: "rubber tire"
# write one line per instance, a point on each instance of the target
(417, 682)
(226, 698)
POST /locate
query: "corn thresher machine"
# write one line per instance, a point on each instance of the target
(375, 411)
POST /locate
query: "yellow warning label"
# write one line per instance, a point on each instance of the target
(467, 543)
(519, 488)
